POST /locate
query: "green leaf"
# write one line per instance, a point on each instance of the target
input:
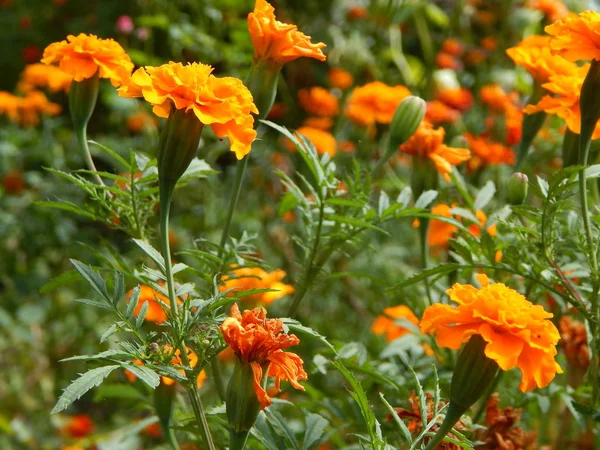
(315, 428)
(151, 252)
(112, 153)
(118, 391)
(357, 223)
(68, 206)
(485, 195)
(108, 333)
(297, 327)
(141, 315)
(94, 303)
(81, 385)
(403, 428)
(426, 198)
(63, 279)
(106, 354)
(279, 423)
(442, 269)
(92, 277)
(133, 301)
(118, 287)
(145, 374)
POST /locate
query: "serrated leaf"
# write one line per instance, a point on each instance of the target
(297, 327)
(108, 333)
(279, 423)
(426, 198)
(133, 301)
(141, 315)
(403, 428)
(151, 252)
(145, 374)
(485, 195)
(439, 270)
(81, 385)
(92, 277)
(118, 287)
(315, 428)
(357, 223)
(94, 303)
(105, 354)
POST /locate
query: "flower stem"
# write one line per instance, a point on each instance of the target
(423, 233)
(454, 414)
(81, 133)
(217, 372)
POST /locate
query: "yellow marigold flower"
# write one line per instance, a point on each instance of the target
(276, 41)
(39, 75)
(428, 143)
(318, 101)
(564, 101)
(386, 323)
(223, 103)
(26, 110)
(323, 141)
(576, 37)
(487, 152)
(247, 278)
(9, 105)
(339, 78)
(83, 55)
(517, 333)
(259, 342)
(553, 9)
(375, 102)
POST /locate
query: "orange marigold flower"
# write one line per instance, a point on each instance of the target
(339, 78)
(438, 112)
(357, 13)
(452, 47)
(518, 333)
(78, 426)
(13, 182)
(489, 43)
(83, 55)
(375, 102)
(428, 143)
(43, 76)
(459, 98)
(576, 37)
(446, 61)
(276, 41)
(26, 110)
(247, 278)
(553, 9)
(9, 105)
(323, 141)
(322, 123)
(259, 342)
(386, 323)
(533, 54)
(318, 101)
(440, 232)
(140, 121)
(155, 312)
(487, 152)
(497, 98)
(574, 342)
(223, 103)
(175, 360)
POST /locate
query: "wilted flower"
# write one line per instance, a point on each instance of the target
(223, 103)
(259, 342)
(39, 75)
(318, 101)
(386, 323)
(83, 55)
(374, 102)
(428, 143)
(276, 41)
(248, 278)
(576, 37)
(574, 342)
(517, 333)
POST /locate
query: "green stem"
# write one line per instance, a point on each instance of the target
(306, 278)
(454, 414)
(194, 396)
(81, 133)
(217, 372)
(423, 232)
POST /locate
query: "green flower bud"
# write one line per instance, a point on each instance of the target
(262, 83)
(589, 102)
(178, 144)
(517, 188)
(82, 100)
(242, 405)
(406, 120)
(570, 148)
(473, 373)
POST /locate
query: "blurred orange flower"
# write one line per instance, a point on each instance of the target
(259, 342)
(438, 112)
(553, 9)
(459, 98)
(323, 141)
(452, 47)
(576, 37)
(440, 232)
(518, 333)
(276, 41)
(447, 61)
(386, 323)
(487, 152)
(140, 121)
(223, 103)
(78, 426)
(318, 101)
(26, 110)
(574, 342)
(13, 182)
(339, 78)
(155, 311)
(83, 55)
(322, 123)
(43, 76)
(374, 102)
(247, 278)
(428, 143)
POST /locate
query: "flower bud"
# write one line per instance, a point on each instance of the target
(589, 102)
(517, 188)
(262, 83)
(570, 148)
(82, 100)
(406, 120)
(178, 144)
(241, 404)
(473, 373)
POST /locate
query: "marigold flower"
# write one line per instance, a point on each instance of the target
(576, 37)
(487, 152)
(26, 110)
(259, 342)
(13, 182)
(83, 55)
(447, 61)
(78, 426)
(39, 75)
(340, 79)
(276, 41)
(452, 47)
(438, 113)
(459, 98)
(533, 54)
(247, 278)
(428, 143)
(386, 323)
(177, 361)
(140, 121)
(440, 232)
(223, 103)
(553, 9)
(155, 312)
(323, 141)
(318, 101)
(574, 342)
(375, 102)
(322, 123)
(517, 333)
